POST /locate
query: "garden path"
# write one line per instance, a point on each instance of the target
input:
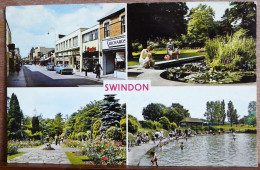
(37, 155)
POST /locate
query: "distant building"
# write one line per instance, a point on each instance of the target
(189, 122)
(39, 52)
(69, 51)
(8, 52)
(113, 43)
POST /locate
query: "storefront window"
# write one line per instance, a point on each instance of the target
(106, 29)
(123, 24)
(75, 41)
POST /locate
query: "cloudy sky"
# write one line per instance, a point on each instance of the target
(50, 101)
(193, 98)
(30, 24)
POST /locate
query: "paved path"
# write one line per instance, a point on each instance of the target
(137, 152)
(37, 155)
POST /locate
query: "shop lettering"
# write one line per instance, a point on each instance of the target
(91, 49)
(127, 87)
(115, 42)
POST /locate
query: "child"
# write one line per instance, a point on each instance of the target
(177, 52)
(154, 158)
(182, 146)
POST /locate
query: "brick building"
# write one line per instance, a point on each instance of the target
(113, 43)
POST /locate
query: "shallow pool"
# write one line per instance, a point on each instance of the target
(218, 150)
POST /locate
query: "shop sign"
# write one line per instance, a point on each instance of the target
(91, 49)
(114, 43)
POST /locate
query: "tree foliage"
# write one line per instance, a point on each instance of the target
(153, 111)
(232, 113)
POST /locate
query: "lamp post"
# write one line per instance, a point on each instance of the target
(49, 32)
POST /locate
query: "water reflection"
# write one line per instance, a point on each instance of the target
(218, 150)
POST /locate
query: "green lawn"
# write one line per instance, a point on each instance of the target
(236, 127)
(9, 157)
(76, 160)
(159, 55)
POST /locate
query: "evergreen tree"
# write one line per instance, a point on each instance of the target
(223, 112)
(14, 117)
(232, 113)
(58, 124)
(35, 124)
(111, 113)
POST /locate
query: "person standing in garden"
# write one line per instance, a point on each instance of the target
(177, 52)
(170, 48)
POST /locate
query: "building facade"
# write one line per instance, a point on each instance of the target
(113, 43)
(8, 52)
(90, 48)
(39, 52)
(189, 122)
(69, 51)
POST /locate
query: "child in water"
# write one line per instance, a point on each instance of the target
(182, 146)
(154, 158)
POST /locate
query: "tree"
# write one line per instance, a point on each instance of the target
(217, 111)
(226, 27)
(14, 117)
(148, 21)
(201, 25)
(223, 112)
(153, 111)
(232, 113)
(245, 13)
(35, 124)
(133, 124)
(252, 108)
(176, 112)
(164, 121)
(58, 124)
(96, 128)
(209, 114)
(111, 113)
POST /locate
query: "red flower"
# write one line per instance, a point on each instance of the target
(117, 145)
(104, 159)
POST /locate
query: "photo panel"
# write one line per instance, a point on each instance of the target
(82, 127)
(193, 126)
(65, 45)
(192, 43)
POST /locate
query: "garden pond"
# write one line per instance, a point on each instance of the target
(218, 150)
(198, 72)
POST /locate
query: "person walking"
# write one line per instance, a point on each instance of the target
(170, 48)
(97, 69)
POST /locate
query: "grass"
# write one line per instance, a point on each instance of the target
(76, 160)
(236, 127)
(159, 55)
(38, 146)
(63, 146)
(9, 157)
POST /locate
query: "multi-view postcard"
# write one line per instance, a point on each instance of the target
(191, 66)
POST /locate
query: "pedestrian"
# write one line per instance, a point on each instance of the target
(170, 48)
(153, 139)
(182, 146)
(97, 70)
(56, 140)
(154, 158)
(177, 52)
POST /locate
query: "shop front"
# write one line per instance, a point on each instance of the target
(113, 56)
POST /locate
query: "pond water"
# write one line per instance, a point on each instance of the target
(218, 150)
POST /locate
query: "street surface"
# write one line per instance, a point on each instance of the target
(38, 76)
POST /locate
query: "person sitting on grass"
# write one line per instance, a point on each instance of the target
(154, 158)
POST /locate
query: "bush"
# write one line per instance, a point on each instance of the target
(251, 131)
(114, 133)
(164, 121)
(81, 136)
(96, 128)
(133, 124)
(213, 129)
(173, 126)
(206, 128)
(12, 149)
(123, 130)
(232, 129)
(73, 143)
(88, 134)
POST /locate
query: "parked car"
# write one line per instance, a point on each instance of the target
(61, 68)
(50, 66)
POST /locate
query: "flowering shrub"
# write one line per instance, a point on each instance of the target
(73, 143)
(12, 148)
(25, 144)
(104, 152)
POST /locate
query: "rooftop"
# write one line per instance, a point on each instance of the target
(189, 119)
(112, 13)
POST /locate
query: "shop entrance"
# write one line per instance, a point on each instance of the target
(108, 62)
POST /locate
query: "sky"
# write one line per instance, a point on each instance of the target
(193, 98)
(30, 24)
(50, 101)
